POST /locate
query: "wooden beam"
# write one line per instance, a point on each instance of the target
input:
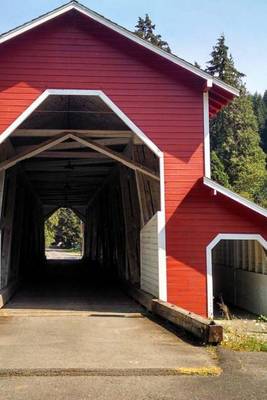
(105, 142)
(92, 171)
(61, 178)
(84, 132)
(61, 146)
(115, 156)
(60, 165)
(39, 148)
(70, 154)
(201, 327)
(72, 112)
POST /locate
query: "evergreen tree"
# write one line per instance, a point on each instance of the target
(264, 129)
(50, 224)
(63, 227)
(145, 29)
(222, 65)
(218, 170)
(260, 110)
(238, 161)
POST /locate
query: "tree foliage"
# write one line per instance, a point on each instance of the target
(145, 29)
(63, 228)
(260, 110)
(238, 160)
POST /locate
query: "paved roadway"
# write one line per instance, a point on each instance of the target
(59, 254)
(82, 328)
(244, 378)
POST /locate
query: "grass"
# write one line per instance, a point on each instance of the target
(241, 341)
(204, 371)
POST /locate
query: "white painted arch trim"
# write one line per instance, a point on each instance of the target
(73, 5)
(234, 196)
(210, 247)
(134, 128)
(77, 92)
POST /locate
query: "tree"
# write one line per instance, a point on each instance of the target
(238, 161)
(145, 29)
(63, 227)
(260, 110)
(50, 225)
(218, 170)
(222, 65)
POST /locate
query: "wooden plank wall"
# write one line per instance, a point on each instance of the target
(148, 189)
(114, 224)
(7, 219)
(247, 255)
(126, 202)
(28, 241)
(22, 246)
(150, 257)
(102, 241)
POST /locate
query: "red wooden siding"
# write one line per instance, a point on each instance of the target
(198, 220)
(166, 103)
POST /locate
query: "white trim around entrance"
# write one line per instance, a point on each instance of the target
(134, 128)
(210, 247)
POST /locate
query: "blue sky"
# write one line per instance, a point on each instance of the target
(190, 26)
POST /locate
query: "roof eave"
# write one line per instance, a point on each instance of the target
(234, 196)
(117, 28)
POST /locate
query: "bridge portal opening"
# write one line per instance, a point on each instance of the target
(64, 235)
(74, 152)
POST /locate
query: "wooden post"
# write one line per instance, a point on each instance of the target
(2, 185)
(7, 220)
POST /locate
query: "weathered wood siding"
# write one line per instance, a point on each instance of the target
(149, 242)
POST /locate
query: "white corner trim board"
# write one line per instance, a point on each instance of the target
(122, 31)
(234, 196)
(210, 247)
(206, 134)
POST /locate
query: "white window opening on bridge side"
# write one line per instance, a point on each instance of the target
(237, 274)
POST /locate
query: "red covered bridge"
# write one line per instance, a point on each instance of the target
(98, 120)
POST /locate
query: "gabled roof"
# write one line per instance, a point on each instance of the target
(234, 196)
(211, 82)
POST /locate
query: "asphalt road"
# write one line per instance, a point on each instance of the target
(59, 254)
(244, 378)
(82, 327)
